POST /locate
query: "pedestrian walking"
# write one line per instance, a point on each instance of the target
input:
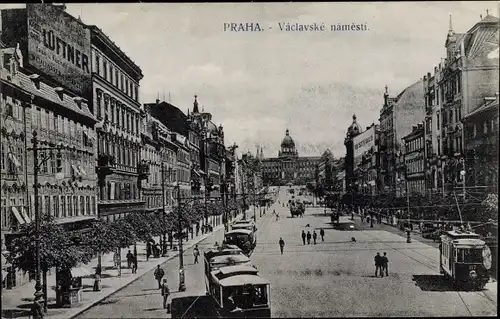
(277, 216)
(159, 273)
(196, 254)
(282, 245)
(165, 292)
(322, 234)
(304, 237)
(129, 259)
(378, 265)
(385, 264)
(314, 237)
(309, 237)
(134, 264)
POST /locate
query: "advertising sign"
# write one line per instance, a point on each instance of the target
(59, 47)
(363, 143)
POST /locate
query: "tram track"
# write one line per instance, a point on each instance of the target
(428, 265)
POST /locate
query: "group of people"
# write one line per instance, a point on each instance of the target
(152, 249)
(381, 265)
(314, 236)
(165, 291)
(132, 262)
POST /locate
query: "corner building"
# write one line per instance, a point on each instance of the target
(115, 101)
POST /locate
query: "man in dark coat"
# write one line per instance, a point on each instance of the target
(322, 234)
(304, 237)
(282, 244)
(385, 265)
(378, 265)
(309, 237)
(314, 237)
(159, 273)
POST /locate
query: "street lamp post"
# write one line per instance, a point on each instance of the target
(39, 295)
(408, 231)
(182, 284)
(462, 173)
(164, 247)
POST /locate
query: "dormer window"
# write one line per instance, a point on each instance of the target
(60, 92)
(78, 100)
(35, 78)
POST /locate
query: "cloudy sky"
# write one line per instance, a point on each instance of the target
(257, 84)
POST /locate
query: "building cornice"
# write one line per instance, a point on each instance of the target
(103, 42)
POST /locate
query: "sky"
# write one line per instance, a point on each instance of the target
(258, 84)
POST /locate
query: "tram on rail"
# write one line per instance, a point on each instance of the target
(465, 259)
(235, 285)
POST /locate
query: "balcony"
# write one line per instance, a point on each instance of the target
(142, 170)
(106, 165)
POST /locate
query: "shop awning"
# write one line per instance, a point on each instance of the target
(81, 170)
(82, 271)
(74, 219)
(19, 218)
(25, 215)
(5, 263)
(14, 160)
(75, 170)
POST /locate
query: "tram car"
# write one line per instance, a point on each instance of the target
(465, 259)
(250, 226)
(244, 239)
(235, 286)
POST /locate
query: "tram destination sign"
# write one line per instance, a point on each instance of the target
(59, 47)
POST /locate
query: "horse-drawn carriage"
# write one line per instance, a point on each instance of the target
(297, 208)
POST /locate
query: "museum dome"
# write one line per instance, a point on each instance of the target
(287, 141)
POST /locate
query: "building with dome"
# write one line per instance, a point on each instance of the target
(288, 167)
(352, 131)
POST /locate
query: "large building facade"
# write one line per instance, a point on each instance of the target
(288, 167)
(457, 88)
(397, 117)
(115, 103)
(47, 93)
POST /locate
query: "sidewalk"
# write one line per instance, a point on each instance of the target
(16, 303)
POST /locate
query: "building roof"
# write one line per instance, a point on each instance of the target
(354, 129)
(240, 231)
(287, 140)
(489, 104)
(241, 280)
(97, 33)
(46, 92)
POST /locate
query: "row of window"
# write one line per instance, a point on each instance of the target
(65, 161)
(184, 175)
(117, 113)
(114, 75)
(119, 191)
(485, 127)
(417, 186)
(124, 155)
(415, 165)
(47, 120)
(59, 206)
(414, 145)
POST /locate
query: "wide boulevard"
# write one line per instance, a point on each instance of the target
(335, 277)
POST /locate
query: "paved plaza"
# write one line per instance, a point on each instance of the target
(330, 279)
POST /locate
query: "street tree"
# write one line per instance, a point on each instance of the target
(57, 250)
(489, 208)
